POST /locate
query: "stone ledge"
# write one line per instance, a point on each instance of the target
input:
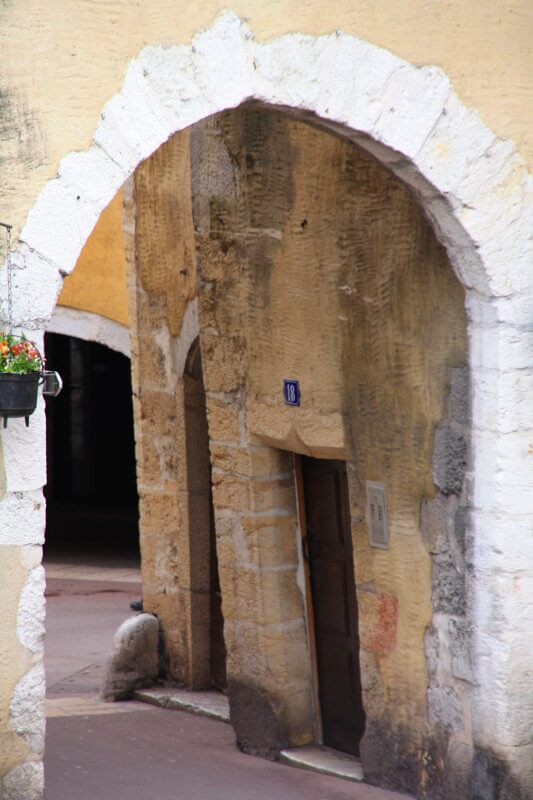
(211, 704)
(325, 761)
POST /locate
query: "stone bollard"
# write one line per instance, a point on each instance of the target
(134, 660)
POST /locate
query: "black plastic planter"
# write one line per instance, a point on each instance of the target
(18, 395)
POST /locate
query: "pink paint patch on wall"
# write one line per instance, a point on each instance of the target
(380, 615)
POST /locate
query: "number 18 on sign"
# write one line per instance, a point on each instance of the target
(291, 392)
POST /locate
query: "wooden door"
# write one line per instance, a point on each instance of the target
(202, 515)
(328, 549)
(217, 644)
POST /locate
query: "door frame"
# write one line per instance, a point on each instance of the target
(299, 485)
(309, 607)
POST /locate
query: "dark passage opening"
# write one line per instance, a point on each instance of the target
(91, 552)
(91, 492)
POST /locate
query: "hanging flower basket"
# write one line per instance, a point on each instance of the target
(21, 371)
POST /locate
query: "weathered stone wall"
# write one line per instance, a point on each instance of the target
(164, 239)
(444, 522)
(316, 264)
(253, 484)
(158, 361)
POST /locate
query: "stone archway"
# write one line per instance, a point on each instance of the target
(91, 327)
(471, 186)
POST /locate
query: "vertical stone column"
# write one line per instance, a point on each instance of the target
(268, 664)
(446, 531)
(502, 518)
(256, 532)
(264, 621)
(157, 363)
(22, 680)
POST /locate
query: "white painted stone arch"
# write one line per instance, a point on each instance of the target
(470, 183)
(90, 327)
(472, 186)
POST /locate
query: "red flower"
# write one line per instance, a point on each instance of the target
(16, 349)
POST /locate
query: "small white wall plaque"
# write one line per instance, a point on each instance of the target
(376, 504)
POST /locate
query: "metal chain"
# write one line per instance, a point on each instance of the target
(9, 284)
(9, 281)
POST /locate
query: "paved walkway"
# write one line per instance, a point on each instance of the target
(133, 751)
(157, 754)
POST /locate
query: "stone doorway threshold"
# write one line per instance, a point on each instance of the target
(215, 705)
(210, 704)
(323, 760)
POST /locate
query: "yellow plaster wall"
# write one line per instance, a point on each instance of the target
(98, 283)
(62, 62)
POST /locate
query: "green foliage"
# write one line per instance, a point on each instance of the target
(18, 355)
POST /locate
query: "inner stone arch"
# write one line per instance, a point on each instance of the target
(313, 262)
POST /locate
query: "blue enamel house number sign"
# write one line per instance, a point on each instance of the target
(291, 392)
